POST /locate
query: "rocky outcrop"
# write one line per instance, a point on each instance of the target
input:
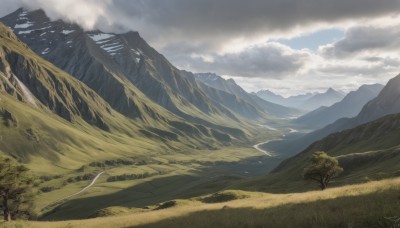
(9, 120)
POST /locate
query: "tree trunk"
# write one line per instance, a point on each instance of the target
(323, 185)
(6, 211)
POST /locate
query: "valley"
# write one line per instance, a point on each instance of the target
(104, 124)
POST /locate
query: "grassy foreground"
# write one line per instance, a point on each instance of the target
(373, 204)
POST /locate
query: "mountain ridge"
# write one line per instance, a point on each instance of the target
(230, 86)
(349, 107)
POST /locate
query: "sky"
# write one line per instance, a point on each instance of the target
(286, 46)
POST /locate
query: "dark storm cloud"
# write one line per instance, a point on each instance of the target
(213, 20)
(234, 15)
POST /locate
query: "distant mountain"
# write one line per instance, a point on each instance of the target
(230, 86)
(370, 150)
(309, 101)
(328, 98)
(350, 106)
(386, 103)
(292, 101)
(217, 82)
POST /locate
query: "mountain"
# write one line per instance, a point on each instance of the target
(230, 86)
(217, 82)
(292, 101)
(307, 101)
(127, 73)
(36, 82)
(328, 98)
(48, 115)
(387, 102)
(350, 106)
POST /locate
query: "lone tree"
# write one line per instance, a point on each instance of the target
(323, 169)
(16, 198)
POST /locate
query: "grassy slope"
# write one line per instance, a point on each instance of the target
(370, 151)
(63, 149)
(183, 176)
(363, 205)
(60, 147)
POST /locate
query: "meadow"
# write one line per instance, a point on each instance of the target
(372, 204)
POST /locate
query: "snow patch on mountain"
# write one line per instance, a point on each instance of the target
(25, 32)
(22, 26)
(66, 32)
(100, 36)
(45, 51)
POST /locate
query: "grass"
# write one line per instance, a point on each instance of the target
(373, 204)
(186, 176)
(63, 148)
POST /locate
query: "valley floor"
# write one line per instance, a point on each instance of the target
(169, 177)
(372, 204)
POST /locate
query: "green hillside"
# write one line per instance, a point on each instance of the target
(66, 134)
(368, 152)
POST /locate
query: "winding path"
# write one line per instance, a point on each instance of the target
(82, 190)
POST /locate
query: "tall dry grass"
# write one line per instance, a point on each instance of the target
(373, 204)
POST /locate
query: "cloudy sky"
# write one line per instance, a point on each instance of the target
(287, 46)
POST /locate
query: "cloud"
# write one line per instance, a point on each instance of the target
(268, 60)
(234, 37)
(88, 13)
(363, 39)
(209, 21)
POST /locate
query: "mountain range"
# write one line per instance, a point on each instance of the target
(121, 66)
(350, 106)
(47, 112)
(308, 101)
(386, 103)
(230, 86)
(113, 82)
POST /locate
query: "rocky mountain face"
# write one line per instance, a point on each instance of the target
(124, 70)
(38, 83)
(350, 106)
(230, 86)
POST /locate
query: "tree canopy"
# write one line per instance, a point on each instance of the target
(15, 189)
(322, 169)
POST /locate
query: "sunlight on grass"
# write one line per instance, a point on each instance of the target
(362, 205)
